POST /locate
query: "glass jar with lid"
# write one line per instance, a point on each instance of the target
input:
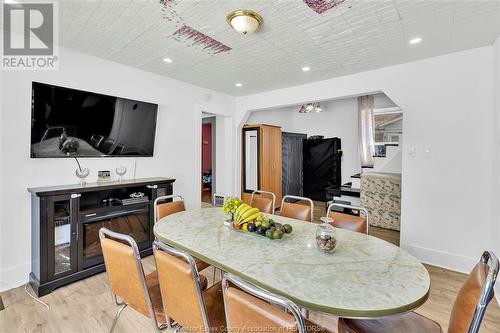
(326, 236)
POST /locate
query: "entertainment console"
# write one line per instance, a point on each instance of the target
(65, 223)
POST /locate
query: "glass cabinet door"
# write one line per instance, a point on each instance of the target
(62, 236)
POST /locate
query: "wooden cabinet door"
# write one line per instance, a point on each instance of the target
(271, 161)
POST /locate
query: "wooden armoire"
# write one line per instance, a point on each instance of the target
(261, 161)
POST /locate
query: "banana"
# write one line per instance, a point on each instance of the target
(239, 211)
(247, 213)
(242, 212)
(241, 208)
(251, 218)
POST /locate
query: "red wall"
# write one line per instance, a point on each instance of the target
(206, 146)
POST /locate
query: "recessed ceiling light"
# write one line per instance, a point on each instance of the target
(306, 69)
(167, 60)
(238, 84)
(415, 40)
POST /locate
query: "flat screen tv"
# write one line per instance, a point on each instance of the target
(73, 123)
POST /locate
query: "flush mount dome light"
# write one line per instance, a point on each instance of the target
(244, 21)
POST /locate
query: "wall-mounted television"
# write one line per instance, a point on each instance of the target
(74, 123)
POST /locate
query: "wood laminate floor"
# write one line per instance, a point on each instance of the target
(86, 306)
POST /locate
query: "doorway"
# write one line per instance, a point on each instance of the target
(208, 144)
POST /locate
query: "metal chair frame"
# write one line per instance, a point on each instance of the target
(163, 198)
(168, 197)
(491, 260)
(263, 295)
(265, 192)
(363, 209)
(103, 232)
(301, 199)
(159, 246)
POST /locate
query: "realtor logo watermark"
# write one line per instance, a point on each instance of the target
(30, 36)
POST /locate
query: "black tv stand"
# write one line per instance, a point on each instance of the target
(66, 220)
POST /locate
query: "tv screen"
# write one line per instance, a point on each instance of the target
(73, 123)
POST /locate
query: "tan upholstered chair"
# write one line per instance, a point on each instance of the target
(127, 280)
(162, 209)
(250, 309)
(184, 300)
(466, 316)
(265, 205)
(296, 210)
(347, 221)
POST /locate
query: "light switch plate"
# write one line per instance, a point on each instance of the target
(427, 152)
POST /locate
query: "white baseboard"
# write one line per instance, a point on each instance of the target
(447, 260)
(14, 276)
(442, 259)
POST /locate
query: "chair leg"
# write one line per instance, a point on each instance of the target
(115, 320)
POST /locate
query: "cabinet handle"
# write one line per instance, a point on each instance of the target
(75, 195)
(152, 186)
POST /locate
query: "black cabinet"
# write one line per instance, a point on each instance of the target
(65, 227)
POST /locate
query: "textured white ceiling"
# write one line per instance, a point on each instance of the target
(353, 37)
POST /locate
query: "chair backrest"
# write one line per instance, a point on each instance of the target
(296, 210)
(125, 272)
(265, 205)
(474, 296)
(107, 145)
(96, 140)
(248, 310)
(348, 221)
(167, 208)
(181, 289)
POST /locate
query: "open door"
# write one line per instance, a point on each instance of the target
(207, 159)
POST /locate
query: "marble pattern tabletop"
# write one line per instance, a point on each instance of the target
(365, 277)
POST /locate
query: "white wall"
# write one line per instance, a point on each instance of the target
(441, 97)
(496, 156)
(338, 119)
(177, 150)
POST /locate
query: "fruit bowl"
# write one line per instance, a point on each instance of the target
(250, 220)
(265, 229)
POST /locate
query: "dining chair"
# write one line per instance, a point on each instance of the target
(265, 205)
(347, 221)
(466, 315)
(185, 300)
(253, 309)
(296, 210)
(163, 209)
(127, 280)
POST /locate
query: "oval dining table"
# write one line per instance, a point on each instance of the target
(366, 277)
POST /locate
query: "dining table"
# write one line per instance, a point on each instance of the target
(365, 277)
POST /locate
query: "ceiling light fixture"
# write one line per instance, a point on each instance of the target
(238, 84)
(306, 69)
(167, 60)
(244, 21)
(415, 40)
